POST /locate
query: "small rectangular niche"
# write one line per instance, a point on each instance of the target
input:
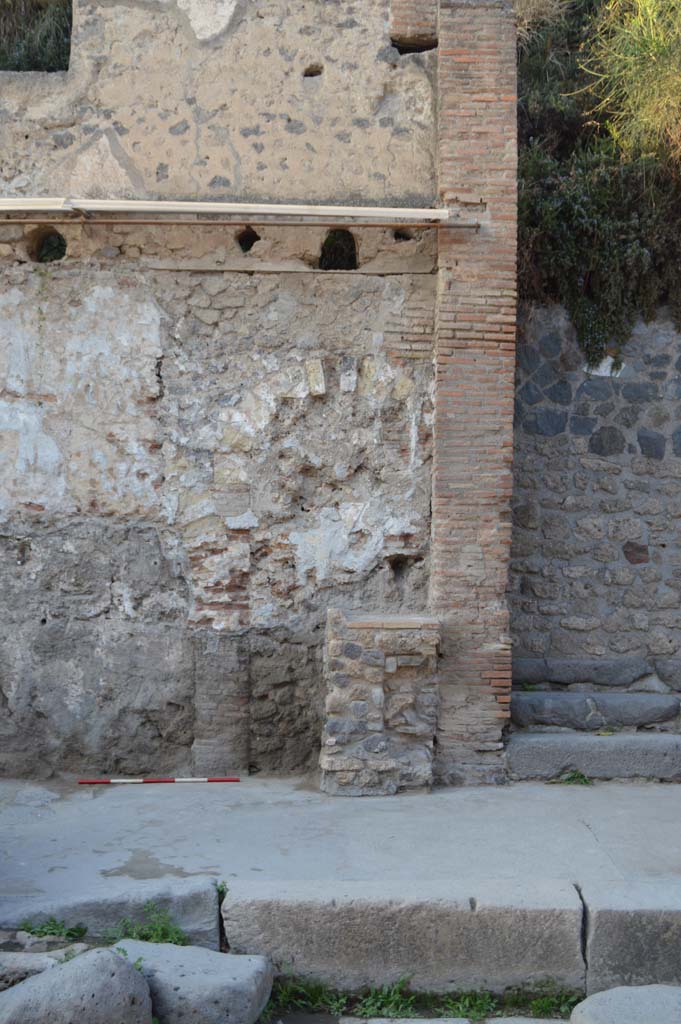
(35, 35)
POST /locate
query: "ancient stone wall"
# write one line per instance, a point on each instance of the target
(195, 465)
(242, 99)
(208, 440)
(596, 571)
(381, 703)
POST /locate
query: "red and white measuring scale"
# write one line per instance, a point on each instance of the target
(140, 782)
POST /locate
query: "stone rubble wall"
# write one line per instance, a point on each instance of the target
(302, 101)
(266, 428)
(381, 704)
(596, 570)
(194, 467)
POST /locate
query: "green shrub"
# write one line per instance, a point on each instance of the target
(35, 35)
(599, 223)
(634, 63)
(602, 236)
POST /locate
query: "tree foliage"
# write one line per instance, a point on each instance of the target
(600, 208)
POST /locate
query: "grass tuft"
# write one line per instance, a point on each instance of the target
(54, 927)
(574, 778)
(634, 64)
(388, 1001)
(35, 35)
(299, 995)
(156, 926)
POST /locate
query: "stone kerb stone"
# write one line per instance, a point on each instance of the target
(381, 704)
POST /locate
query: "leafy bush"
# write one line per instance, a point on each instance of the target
(35, 35)
(634, 60)
(600, 226)
(600, 235)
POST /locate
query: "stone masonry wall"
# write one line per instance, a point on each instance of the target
(381, 703)
(194, 466)
(205, 445)
(305, 100)
(596, 571)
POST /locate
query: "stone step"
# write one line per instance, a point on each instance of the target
(592, 711)
(546, 755)
(447, 935)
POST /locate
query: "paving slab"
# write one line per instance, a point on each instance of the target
(632, 755)
(633, 934)
(458, 936)
(95, 854)
(652, 1004)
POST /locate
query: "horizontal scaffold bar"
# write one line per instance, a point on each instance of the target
(165, 207)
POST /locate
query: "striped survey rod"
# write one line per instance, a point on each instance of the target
(151, 781)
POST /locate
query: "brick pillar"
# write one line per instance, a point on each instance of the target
(413, 22)
(474, 358)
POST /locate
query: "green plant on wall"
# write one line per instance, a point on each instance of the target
(633, 59)
(599, 217)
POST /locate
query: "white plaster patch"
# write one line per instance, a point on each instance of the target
(82, 364)
(606, 368)
(30, 461)
(346, 539)
(208, 18)
(93, 171)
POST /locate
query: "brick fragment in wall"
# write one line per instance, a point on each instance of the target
(381, 703)
(475, 353)
(594, 574)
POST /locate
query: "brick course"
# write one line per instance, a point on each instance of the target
(413, 22)
(474, 360)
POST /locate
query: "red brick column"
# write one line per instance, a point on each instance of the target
(413, 22)
(474, 357)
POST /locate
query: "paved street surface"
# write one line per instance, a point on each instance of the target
(58, 840)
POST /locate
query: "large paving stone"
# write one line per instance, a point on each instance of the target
(650, 1004)
(16, 967)
(188, 983)
(633, 934)
(444, 936)
(98, 987)
(592, 711)
(192, 903)
(599, 671)
(543, 755)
